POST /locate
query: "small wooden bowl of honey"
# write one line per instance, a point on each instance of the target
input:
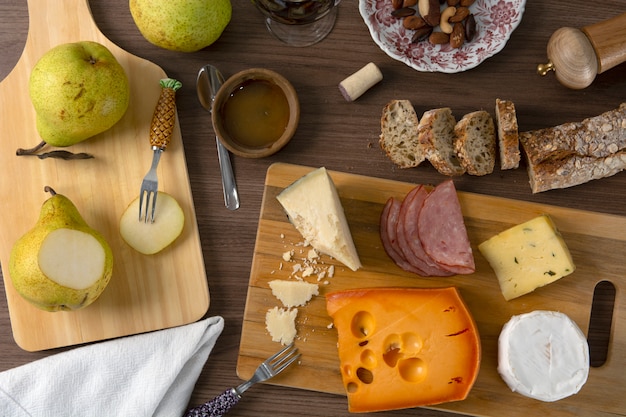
(255, 113)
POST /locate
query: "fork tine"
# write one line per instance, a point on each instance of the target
(281, 353)
(282, 359)
(153, 205)
(140, 202)
(285, 364)
(150, 203)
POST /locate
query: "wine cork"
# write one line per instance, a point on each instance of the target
(358, 83)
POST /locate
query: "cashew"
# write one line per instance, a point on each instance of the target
(444, 24)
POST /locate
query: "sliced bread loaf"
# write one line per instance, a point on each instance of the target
(573, 170)
(508, 134)
(599, 137)
(398, 137)
(436, 134)
(476, 143)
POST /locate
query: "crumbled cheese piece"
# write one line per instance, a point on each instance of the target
(287, 255)
(293, 293)
(281, 324)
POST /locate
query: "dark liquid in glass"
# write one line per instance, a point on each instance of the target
(295, 12)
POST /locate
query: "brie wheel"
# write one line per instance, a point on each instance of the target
(543, 355)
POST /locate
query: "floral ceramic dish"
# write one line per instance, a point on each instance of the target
(495, 21)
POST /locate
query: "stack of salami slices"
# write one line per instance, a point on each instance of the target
(425, 233)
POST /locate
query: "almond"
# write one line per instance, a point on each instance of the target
(470, 28)
(439, 38)
(457, 37)
(422, 34)
(403, 12)
(413, 22)
(397, 4)
(409, 3)
(460, 15)
(466, 3)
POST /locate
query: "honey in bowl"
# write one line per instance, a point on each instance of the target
(256, 114)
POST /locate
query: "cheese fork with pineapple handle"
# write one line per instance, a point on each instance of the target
(274, 365)
(161, 129)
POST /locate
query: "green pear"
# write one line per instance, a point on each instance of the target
(181, 25)
(78, 90)
(61, 263)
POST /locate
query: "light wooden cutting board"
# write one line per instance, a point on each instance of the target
(597, 243)
(146, 292)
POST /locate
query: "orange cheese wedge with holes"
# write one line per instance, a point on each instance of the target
(404, 347)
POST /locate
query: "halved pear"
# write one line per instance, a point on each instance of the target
(61, 263)
(150, 238)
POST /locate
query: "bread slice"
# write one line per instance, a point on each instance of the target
(574, 170)
(476, 143)
(436, 134)
(398, 137)
(508, 134)
(599, 137)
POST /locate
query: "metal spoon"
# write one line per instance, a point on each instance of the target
(208, 82)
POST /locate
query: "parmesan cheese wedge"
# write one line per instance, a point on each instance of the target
(293, 293)
(543, 355)
(314, 208)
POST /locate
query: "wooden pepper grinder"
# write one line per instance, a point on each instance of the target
(577, 56)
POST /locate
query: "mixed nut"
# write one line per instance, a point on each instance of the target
(456, 22)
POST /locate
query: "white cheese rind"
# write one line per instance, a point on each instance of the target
(528, 256)
(543, 355)
(314, 208)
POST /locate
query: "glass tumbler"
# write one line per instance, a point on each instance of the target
(299, 22)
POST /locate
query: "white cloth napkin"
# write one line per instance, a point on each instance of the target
(151, 374)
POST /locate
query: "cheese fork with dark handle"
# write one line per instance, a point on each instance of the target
(274, 365)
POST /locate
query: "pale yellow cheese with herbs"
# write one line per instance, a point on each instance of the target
(528, 256)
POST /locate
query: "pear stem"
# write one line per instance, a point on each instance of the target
(50, 190)
(30, 151)
(66, 155)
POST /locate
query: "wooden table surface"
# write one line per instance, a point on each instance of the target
(340, 135)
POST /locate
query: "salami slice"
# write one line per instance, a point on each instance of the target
(408, 236)
(388, 221)
(442, 230)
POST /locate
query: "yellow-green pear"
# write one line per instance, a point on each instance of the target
(181, 25)
(78, 90)
(61, 263)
